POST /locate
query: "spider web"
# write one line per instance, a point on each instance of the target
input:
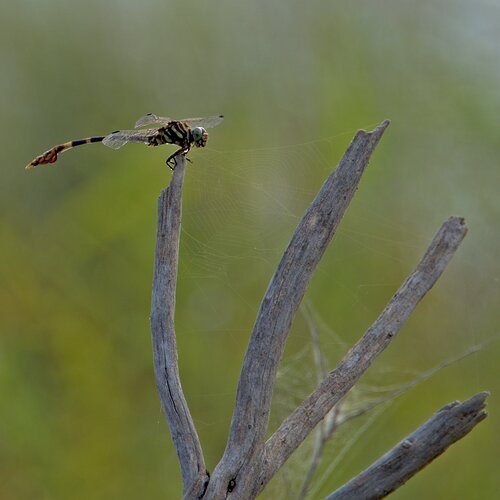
(240, 210)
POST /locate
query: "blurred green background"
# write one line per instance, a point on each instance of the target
(80, 417)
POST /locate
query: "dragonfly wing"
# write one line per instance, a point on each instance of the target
(118, 139)
(151, 119)
(208, 122)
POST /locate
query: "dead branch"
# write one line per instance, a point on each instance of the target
(422, 377)
(336, 418)
(282, 298)
(174, 404)
(302, 421)
(249, 462)
(417, 450)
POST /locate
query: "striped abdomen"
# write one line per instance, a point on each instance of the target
(50, 156)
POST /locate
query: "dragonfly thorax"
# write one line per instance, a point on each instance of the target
(200, 136)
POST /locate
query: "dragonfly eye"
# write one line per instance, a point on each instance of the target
(200, 136)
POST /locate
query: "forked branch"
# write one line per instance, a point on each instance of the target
(249, 462)
(335, 386)
(282, 298)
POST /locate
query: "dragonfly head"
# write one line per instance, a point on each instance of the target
(200, 136)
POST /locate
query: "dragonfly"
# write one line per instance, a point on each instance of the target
(183, 133)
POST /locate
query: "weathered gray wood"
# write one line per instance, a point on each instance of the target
(249, 462)
(420, 378)
(302, 421)
(444, 428)
(174, 404)
(286, 289)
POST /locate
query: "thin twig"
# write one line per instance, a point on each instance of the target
(329, 424)
(422, 377)
(344, 418)
(174, 404)
(319, 359)
(302, 421)
(417, 450)
(286, 289)
(248, 462)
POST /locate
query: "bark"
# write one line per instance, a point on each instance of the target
(335, 386)
(243, 454)
(430, 440)
(249, 462)
(182, 429)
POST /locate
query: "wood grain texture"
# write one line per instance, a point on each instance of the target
(249, 462)
(302, 421)
(282, 298)
(166, 368)
(417, 450)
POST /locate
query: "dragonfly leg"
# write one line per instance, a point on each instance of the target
(171, 159)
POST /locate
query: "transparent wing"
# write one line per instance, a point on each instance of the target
(208, 122)
(118, 139)
(151, 119)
